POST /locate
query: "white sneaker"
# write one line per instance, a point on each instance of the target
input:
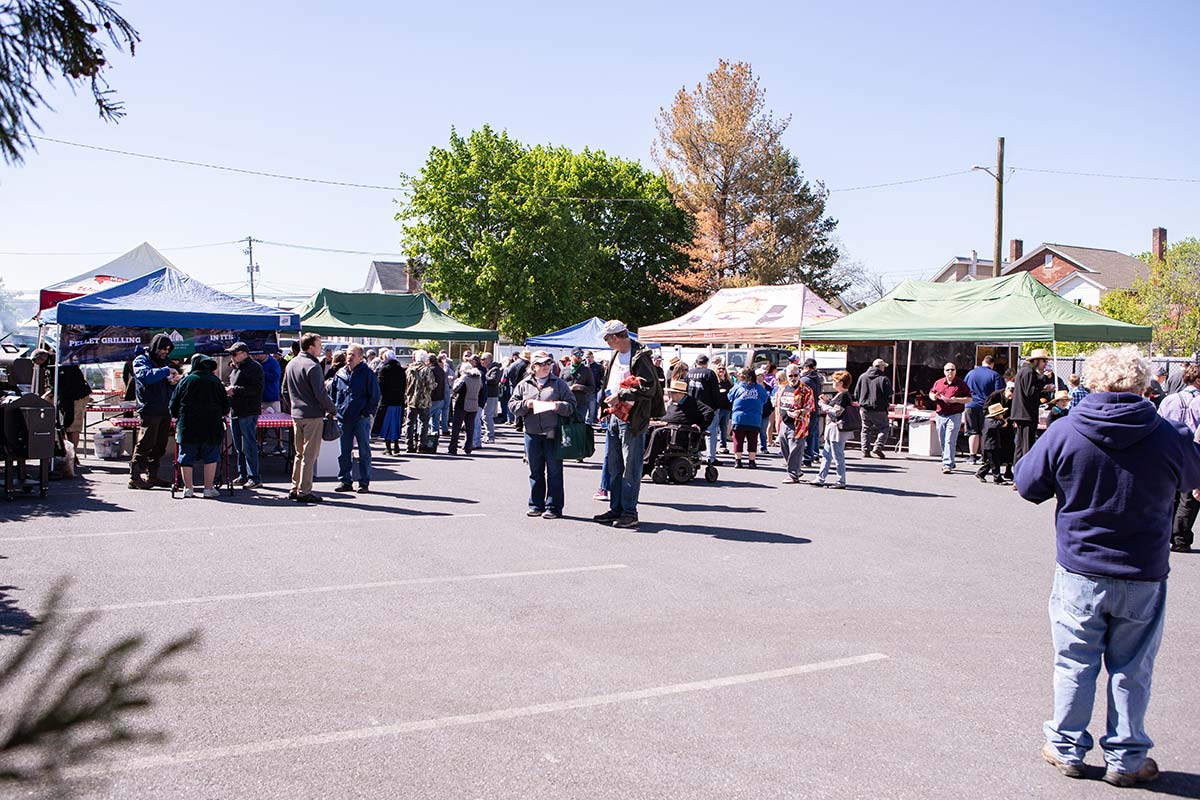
(189, 492)
(252, 484)
(210, 493)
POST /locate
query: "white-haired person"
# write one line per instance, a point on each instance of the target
(418, 397)
(1115, 467)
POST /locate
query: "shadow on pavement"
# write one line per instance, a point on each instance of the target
(894, 492)
(1175, 784)
(14, 621)
(706, 507)
(66, 498)
(729, 534)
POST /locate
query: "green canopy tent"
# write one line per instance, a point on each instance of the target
(384, 316)
(1014, 308)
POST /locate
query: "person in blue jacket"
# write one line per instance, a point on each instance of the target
(1114, 467)
(356, 394)
(154, 380)
(747, 399)
(272, 389)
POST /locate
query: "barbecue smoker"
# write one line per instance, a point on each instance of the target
(26, 423)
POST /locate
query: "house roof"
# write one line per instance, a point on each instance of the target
(1108, 268)
(392, 276)
(959, 261)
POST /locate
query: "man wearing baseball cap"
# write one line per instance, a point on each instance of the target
(624, 442)
(245, 392)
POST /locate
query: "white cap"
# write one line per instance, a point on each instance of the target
(613, 327)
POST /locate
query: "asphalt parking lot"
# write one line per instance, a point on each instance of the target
(753, 640)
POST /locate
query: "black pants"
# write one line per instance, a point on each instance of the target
(1026, 435)
(462, 422)
(991, 463)
(1186, 509)
(151, 445)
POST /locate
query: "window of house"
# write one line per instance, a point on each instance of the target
(1049, 260)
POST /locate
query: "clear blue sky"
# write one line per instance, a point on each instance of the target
(877, 92)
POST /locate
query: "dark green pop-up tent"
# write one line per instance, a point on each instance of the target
(384, 316)
(1015, 308)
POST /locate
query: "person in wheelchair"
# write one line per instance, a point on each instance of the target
(681, 428)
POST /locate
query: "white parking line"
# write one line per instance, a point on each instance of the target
(380, 731)
(345, 587)
(218, 528)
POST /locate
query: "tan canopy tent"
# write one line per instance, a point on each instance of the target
(750, 315)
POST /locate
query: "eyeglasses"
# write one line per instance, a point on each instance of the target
(949, 370)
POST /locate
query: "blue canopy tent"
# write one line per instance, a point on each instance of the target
(588, 334)
(168, 298)
(109, 325)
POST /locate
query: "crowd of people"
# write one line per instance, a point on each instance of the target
(1117, 447)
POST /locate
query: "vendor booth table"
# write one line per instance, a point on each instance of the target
(1012, 309)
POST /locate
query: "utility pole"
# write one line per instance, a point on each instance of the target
(998, 248)
(251, 267)
(998, 176)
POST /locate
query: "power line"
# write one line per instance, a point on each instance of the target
(260, 174)
(1108, 175)
(327, 249)
(901, 183)
(119, 252)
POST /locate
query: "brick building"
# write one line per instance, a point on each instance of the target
(1081, 274)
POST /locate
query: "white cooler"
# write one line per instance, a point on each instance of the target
(923, 437)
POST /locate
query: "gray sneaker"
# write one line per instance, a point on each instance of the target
(1069, 770)
(1148, 772)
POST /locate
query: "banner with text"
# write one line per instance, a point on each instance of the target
(103, 344)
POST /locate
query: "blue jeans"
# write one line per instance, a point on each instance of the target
(762, 435)
(623, 457)
(439, 420)
(439, 416)
(831, 452)
(1119, 622)
(812, 448)
(359, 431)
(490, 410)
(714, 434)
(947, 428)
(477, 428)
(245, 445)
(545, 474)
(590, 408)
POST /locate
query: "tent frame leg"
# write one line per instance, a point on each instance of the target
(907, 376)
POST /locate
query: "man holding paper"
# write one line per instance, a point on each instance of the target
(540, 400)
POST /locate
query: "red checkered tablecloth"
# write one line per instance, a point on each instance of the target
(275, 421)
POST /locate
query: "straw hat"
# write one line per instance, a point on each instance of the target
(1060, 395)
(996, 410)
(678, 386)
(674, 360)
(1036, 354)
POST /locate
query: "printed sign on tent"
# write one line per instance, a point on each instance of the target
(100, 344)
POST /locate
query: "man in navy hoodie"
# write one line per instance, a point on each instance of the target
(1114, 466)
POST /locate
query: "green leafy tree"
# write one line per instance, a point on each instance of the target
(1168, 299)
(1171, 298)
(530, 239)
(41, 40)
